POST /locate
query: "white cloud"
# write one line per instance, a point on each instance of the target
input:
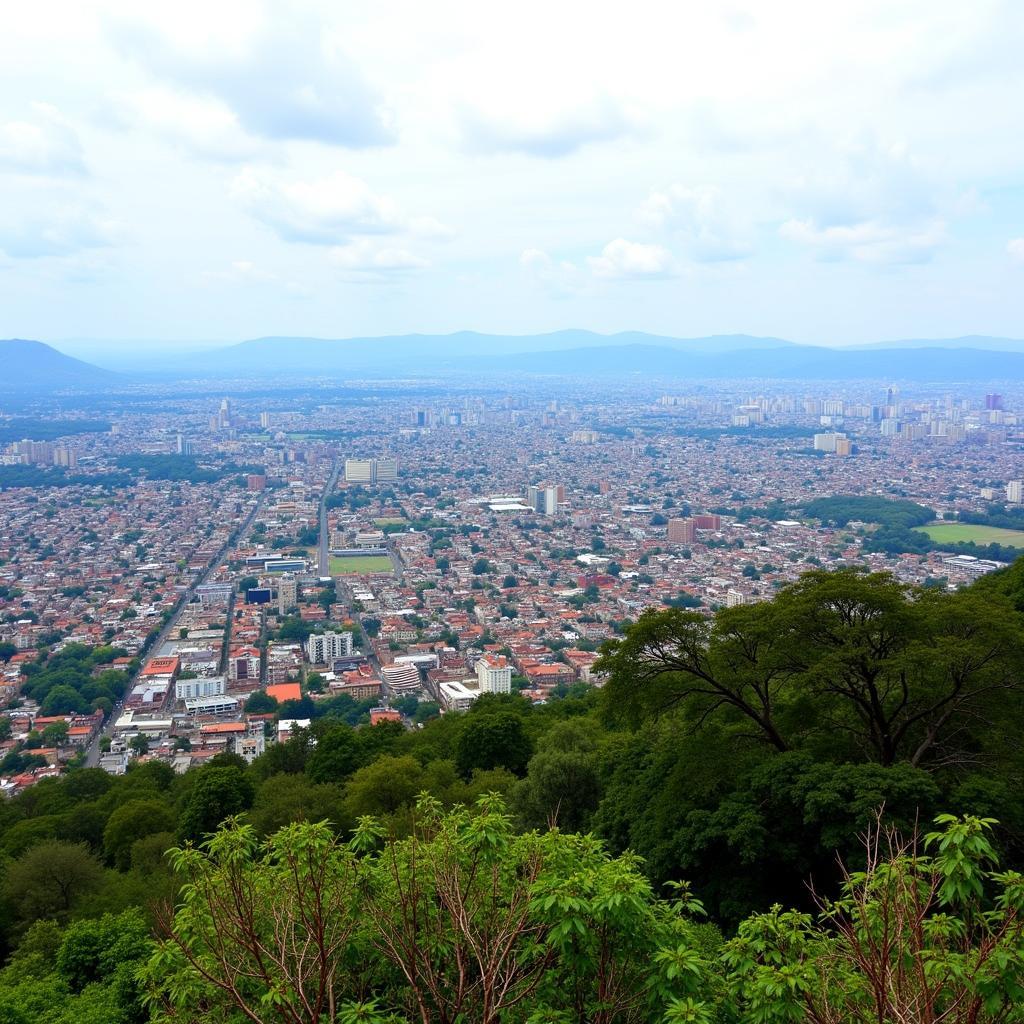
(46, 144)
(205, 128)
(560, 278)
(698, 217)
(324, 211)
(59, 232)
(867, 241)
(544, 130)
(283, 76)
(1015, 248)
(620, 259)
(364, 256)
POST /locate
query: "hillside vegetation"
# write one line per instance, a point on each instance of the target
(626, 854)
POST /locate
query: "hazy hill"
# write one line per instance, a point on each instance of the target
(795, 362)
(974, 341)
(423, 352)
(582, 352)
(32, 364)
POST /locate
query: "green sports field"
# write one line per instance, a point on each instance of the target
(965, 533)
(357, 564)
(390, 522)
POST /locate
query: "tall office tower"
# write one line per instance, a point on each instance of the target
(224, 414)
(681, 531)
(827, 442)
(1015, 492)
(65, 457)
(265, 420)
(287, 593)
(359, 471)
(993, 402)
(184, 445)
(890, 427)
(494, 674)
(544, 498)
(371, 471)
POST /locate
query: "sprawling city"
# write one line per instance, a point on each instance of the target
(394, 552)
(511, 514)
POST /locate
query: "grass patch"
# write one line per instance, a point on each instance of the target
(356, 564)
(390, 522)
(966, 533)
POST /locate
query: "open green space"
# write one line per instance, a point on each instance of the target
(385, 521)
(966, 533)
(355, 564)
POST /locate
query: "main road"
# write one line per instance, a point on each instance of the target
(323, 547)
(92, 758)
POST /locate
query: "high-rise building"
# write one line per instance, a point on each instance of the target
(710, 521)
(993, 402)
(828, 442)
(681, 531)
(224, 414)
(494, 674)
(1015, 492)
(322, 648)
(287, 593)
(544, 498)
(265, 420)
(371, 471)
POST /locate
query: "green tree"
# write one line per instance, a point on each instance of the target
(862, 662)
(930, 935)
(282, 799)
(335, 757)
(216, 794)
(131, 821)
(463, 921)
(493, 740)
(50, 879)
(384, 786)
(260, 703)
(562, 781)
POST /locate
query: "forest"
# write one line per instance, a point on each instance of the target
(807, 809)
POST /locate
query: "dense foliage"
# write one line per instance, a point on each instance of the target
(740, 752)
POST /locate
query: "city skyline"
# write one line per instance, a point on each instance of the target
(226, 171)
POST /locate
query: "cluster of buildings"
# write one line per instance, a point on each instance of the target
(522, 532)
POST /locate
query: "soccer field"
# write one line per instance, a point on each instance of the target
(357, 564)
(965, 533)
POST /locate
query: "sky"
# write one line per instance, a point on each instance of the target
(831, 173)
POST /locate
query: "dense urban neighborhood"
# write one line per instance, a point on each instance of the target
(194, 575)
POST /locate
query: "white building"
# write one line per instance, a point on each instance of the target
(287, 593)
(371, 471)
(210, 686)
(322, 648)
(494, 674)
(457, 695)
(1015, 492)
(401, 680)
(218, 705)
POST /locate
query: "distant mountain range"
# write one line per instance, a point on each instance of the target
(31, 364)
(35, 365)
(583, 352)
